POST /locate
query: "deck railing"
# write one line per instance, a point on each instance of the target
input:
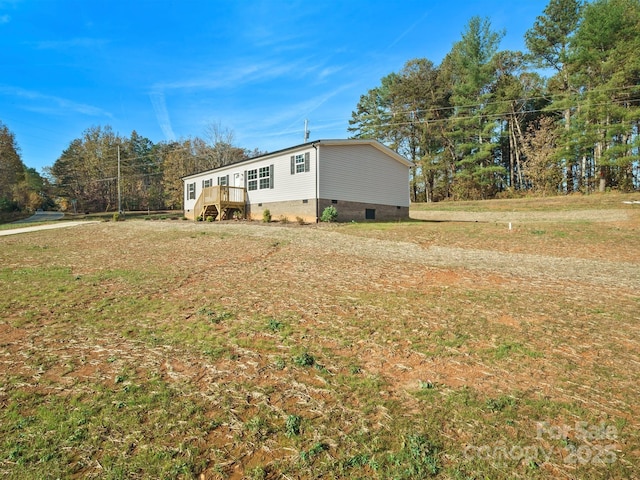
(222, 196)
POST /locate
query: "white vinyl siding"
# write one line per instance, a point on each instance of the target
(279, 186)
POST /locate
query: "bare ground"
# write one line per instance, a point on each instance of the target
(354, 295)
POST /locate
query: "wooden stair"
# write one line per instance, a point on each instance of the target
(209, 211)
(219, 202)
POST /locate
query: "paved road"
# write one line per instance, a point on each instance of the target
(42, 217)
(36, 228)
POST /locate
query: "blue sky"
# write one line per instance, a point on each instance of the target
(169, 68)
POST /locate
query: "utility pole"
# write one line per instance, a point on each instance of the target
(306, 131)
(119, 191)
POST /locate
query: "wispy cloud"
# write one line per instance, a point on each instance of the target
(328, 71)
(4, 19)
(243, 73)
(52, 104)
(279, 43)
(162, 114)
(290, 118)
(315, 103)
(408, 30)
(214, 80)
(270, 29)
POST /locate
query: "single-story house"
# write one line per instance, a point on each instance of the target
(362, 179)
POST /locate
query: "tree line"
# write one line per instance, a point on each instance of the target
(21, 188)
(561, 117)
(103, 171)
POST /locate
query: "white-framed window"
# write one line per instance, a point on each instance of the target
(252, 179)
(259, 178)
(264, 174)
(300, 163)
(207, 183)
(191, 191)
(223, 180)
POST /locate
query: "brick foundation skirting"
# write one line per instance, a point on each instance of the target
(347, 211)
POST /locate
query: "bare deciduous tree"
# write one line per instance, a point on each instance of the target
(541, 168)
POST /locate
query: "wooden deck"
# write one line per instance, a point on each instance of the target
(219, 202)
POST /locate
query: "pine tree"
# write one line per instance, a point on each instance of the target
(606, 50)
(473, 76)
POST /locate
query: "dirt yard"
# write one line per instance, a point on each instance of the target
(430, 348)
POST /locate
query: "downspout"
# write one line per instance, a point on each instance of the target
(317, 149)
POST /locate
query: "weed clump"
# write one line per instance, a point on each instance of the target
(417, 459)
(215, 316)
(500, 403)
(317, 448)
(274, 325)
(279, 363)
(292, 426)
(304, 360)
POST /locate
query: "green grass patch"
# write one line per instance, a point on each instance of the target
(126, 427)
(511, 349)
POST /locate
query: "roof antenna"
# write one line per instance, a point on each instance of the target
(306, 131)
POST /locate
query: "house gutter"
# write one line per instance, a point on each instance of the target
(316, 147)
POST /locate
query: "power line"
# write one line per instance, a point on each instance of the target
(552, 98)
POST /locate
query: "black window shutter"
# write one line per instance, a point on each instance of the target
(245, 179)
(227, 180)
(271, 176)
(306, 162)
(293, 165)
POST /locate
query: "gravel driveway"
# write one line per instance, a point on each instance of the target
(603, 215)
